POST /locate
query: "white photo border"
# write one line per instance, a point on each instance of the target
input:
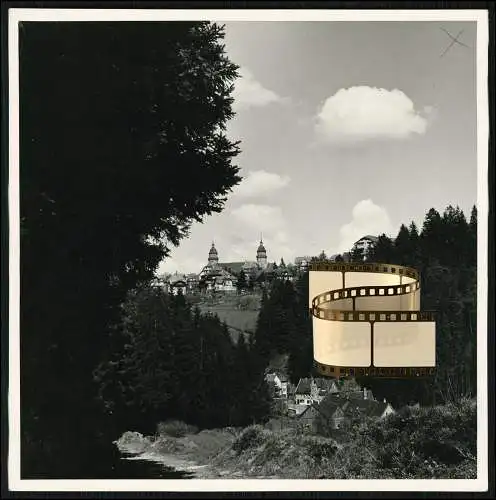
(16, 15)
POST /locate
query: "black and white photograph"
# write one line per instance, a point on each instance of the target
(248, 250)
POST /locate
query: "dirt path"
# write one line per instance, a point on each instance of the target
(191, 454)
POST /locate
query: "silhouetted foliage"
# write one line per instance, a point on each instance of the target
(122, 148)
(180, 364)
(445, 254)
(242, 282)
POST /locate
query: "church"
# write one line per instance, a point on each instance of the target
(223, 276)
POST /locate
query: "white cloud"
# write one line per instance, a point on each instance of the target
(236, 233)
(367, 218)
(265, 220)
(265, 217)
(362, 113)
(180, 264)
(248, 92)
(260, 183)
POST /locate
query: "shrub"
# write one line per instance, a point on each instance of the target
(251, 437)
(422, 443)
(273, 448)
(320, 449)
(175, 428)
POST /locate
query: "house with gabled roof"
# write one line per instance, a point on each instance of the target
(280, 382)
(312, 415)
(296, 409)
(310, 390)
(336, 412)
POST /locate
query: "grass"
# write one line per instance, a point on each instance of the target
(238, 319)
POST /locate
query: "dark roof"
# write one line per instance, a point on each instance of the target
(178, 283)
(303, 386)
(365, 407)
(369, 237)
(175, 278)
(328, 406)
(323, 383)
(314, 407)
(232, 267)
(352, 406)
(263, 273)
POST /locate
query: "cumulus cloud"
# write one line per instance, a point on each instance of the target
(236, 233)
(180, 264)
(268, 218)
(364, 113)
(248, 92)
(367, 218)
(260, 183)
(265, 220)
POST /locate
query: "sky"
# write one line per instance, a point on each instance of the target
(346, 129)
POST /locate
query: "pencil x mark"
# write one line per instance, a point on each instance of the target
(454, 39)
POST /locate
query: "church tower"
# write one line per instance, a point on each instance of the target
(261, 255)
(213, 257)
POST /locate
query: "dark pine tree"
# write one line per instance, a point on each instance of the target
(403, 247)
(357, 254)
(262, 340)
(300, 363)
(112, 113)
(242, 283)
(383, 250)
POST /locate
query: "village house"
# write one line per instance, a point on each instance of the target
(280, 383)
(192, 282)
(158, 282)
(338, 412)
(301, 264)
(313, 390)
(365, 244)
(295, 409)
(177, 284)
(291, 391)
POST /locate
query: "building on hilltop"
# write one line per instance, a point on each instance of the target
(261, 255)
(364, 245)
(223, 276)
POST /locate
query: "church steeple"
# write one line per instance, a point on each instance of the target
(213, 256)
(261, 255)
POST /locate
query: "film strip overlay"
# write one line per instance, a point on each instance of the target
(367, 321)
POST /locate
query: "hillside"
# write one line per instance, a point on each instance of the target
(424, 443)
(416, 443)
(240, 313)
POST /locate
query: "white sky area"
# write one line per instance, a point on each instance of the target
(346, 129)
